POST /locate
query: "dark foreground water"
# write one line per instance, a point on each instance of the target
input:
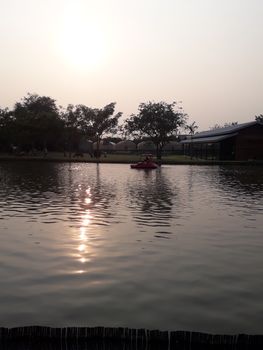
(175, 248)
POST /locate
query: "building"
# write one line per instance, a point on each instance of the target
(125, 145)
(104, 146)
(85, 145)
(146, 146)
(236, 142)
(173, 146)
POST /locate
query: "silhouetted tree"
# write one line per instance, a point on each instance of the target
(157, 121)
(73, 126)
(191, 128)
(259, 118)
(37, 121)
(7, 135)
(93, 123)
(226, 125)
(100, 122)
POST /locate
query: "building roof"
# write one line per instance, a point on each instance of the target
(224, 131)
(126, 145)
(217, 135)
(126, 142)
(211, 139)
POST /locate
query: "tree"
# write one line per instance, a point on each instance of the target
(259, 118)
(93, 123)
(98, 122)
(158, 121)
(191, 128)
(73, 125)
(226, 125)
(37, 121)
(6, 128)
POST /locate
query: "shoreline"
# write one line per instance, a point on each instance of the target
(126, 161)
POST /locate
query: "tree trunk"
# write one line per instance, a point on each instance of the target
(191, 146)
(97, 148)
(70, 144)
(159, 152)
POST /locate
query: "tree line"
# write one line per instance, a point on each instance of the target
(37, 122)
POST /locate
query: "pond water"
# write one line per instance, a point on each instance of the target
(178, 248)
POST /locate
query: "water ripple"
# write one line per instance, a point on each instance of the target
(176, 248)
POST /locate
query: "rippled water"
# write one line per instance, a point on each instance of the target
(175, 248)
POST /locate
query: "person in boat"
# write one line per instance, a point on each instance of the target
(147, 159)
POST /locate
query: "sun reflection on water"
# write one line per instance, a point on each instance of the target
(83, 247)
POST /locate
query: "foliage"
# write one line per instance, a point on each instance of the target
(6, 129)
(259, 118)
(73, 126)
(226, 125)
(101, 122)
(36, 121)
(157, 121)
(92, 123)
(191, 128)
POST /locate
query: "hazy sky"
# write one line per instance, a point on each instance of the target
(207, 53)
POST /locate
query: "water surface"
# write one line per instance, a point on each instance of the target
(180, 247)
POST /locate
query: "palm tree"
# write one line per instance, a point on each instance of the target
(191, 128)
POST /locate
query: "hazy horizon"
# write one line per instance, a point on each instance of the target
(207, 55)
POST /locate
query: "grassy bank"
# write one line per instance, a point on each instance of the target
(121, 158)
(108, 158)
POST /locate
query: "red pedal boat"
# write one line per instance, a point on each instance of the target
(147, 163)
(144, 165)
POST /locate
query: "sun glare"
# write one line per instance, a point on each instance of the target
(83, 42)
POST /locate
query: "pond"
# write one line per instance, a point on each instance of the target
(177, 248)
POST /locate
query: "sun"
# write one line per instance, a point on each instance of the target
(83, 43)
(83, 46)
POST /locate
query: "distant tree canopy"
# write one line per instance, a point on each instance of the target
(6, 128)
(101, 122)
(36, 121)
(92, 123)
(226, 125)
(191, 128)
(158, 121)
(73, 118)
(259, 118)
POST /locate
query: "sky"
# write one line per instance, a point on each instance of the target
(206, 53)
